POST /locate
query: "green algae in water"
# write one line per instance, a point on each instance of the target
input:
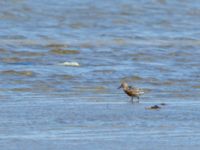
(63, 77)
(64, 52)
(56, 45)
(29, 54)
(17, 60)
(11, 60)
(2, 50)
(132, 78)
(18, 73)
(21, 89)
(196, 86)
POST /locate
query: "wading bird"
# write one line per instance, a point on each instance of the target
(131, 91)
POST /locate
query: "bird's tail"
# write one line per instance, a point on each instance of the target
(140, 91)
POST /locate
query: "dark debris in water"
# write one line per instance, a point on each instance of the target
(163, 104)
(154, 107)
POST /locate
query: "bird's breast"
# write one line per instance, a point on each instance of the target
(131, 92)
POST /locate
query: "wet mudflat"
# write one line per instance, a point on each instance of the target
(61, 124)
(60, 67)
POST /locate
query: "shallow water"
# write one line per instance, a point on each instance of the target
(153, 45)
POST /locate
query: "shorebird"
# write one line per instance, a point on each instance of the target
(131, 91)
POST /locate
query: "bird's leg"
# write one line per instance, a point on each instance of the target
(132, 99)
(138, 99)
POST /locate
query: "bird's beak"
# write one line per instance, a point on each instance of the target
(119, 87)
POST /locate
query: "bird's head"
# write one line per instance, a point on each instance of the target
(123, 85)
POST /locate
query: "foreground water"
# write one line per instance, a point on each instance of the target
(46, 104)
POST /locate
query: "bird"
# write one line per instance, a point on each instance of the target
(131, 91)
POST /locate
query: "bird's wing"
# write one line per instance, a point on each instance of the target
(131, 87)
(139, 91)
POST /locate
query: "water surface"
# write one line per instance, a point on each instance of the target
(153, 45)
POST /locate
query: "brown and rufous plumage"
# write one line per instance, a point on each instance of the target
(131, 91)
